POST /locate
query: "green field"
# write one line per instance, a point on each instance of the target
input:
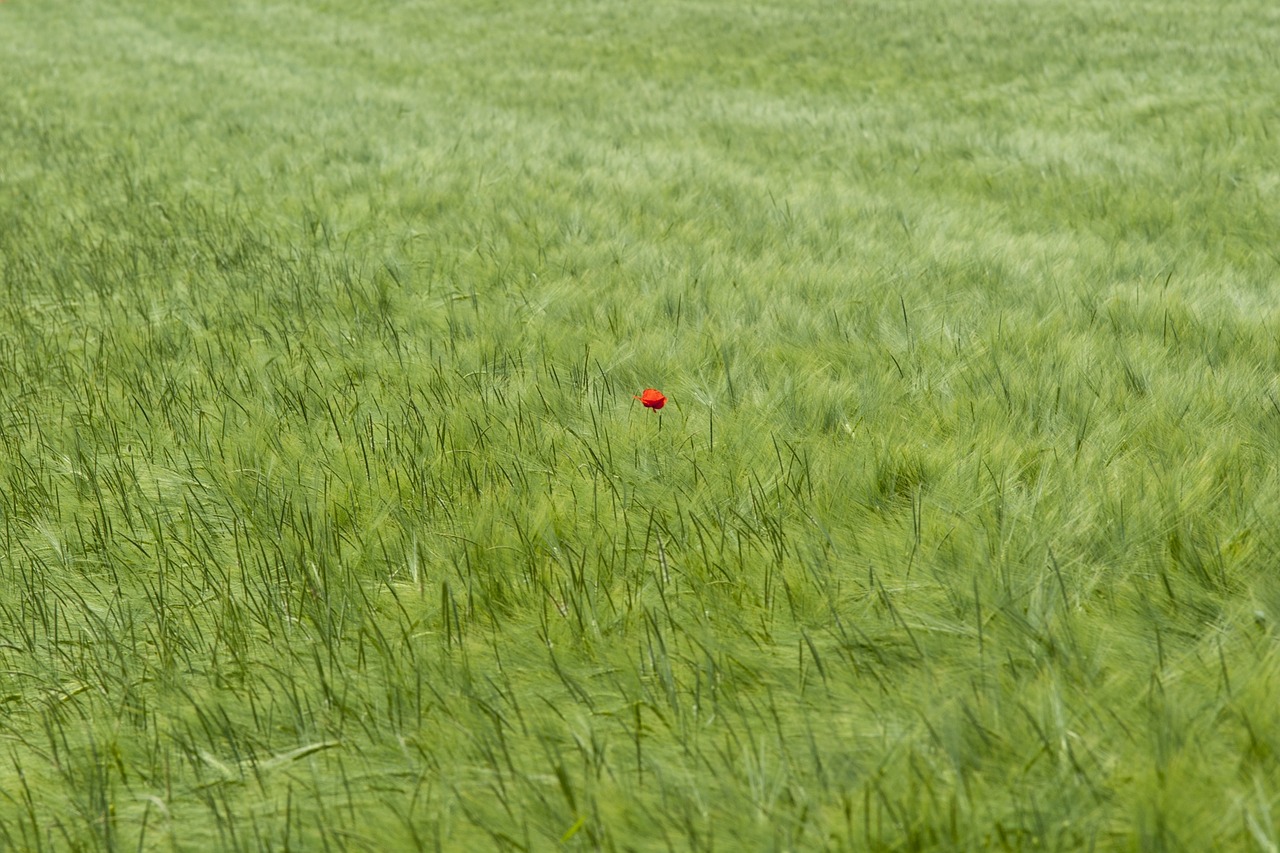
(329, 521)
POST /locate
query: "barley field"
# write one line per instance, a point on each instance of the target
(329, 518)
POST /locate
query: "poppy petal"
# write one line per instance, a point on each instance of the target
(652, 398)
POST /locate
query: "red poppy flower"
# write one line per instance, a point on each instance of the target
(652, 398)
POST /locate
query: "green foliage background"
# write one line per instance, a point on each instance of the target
(328, 520)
